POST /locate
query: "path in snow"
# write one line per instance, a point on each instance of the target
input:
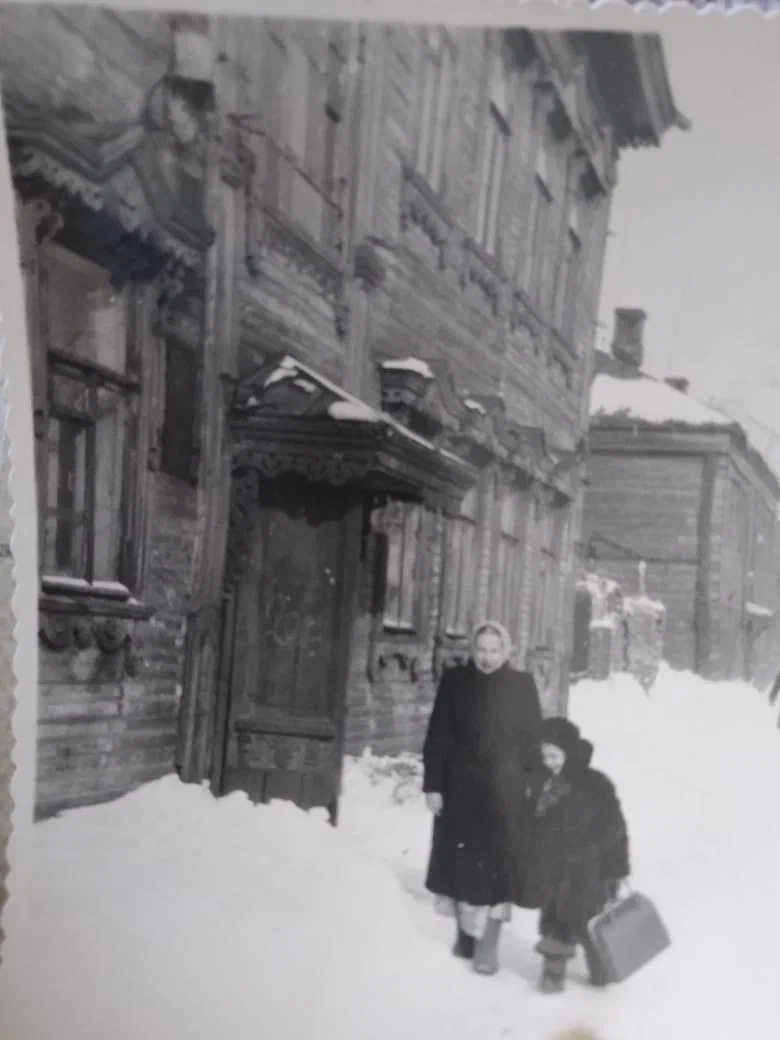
(168, 914)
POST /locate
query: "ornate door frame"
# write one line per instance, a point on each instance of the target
(245, 498)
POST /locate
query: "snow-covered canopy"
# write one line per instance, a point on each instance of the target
(650, 400)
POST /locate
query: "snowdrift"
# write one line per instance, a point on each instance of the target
(169, 914)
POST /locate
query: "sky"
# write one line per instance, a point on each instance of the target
(696, 225)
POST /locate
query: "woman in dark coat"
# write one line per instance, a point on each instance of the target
(580, 846)
(481, 751)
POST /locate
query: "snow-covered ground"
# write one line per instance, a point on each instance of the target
(170, 916)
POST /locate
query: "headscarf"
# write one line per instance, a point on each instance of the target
(498, 629)
(564, 735)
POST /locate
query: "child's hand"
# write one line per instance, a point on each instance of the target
(435, 802)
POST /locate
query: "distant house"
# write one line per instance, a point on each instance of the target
(678, 484)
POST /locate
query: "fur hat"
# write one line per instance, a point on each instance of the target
(563, 734)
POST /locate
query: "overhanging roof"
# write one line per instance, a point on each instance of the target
(633, 81)
(288, 418)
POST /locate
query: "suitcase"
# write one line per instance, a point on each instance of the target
(627, 935)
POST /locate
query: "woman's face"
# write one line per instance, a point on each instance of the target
(489, 652)
(553, 757)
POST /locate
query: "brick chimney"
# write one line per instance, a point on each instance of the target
(627, 342)
(678, 383)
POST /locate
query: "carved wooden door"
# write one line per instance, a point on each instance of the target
(292, 618)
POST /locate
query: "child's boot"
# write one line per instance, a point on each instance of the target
(556, 955)
(553, 975)
(486, 951)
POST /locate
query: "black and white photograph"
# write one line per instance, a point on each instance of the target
(404, 407)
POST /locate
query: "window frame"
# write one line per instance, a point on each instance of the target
(511, 544)
(457, 626)
(569, 278)
(548, 522)
(437, 66)
(57, 363)
(412, 515)
(492, 182)
(285, 173)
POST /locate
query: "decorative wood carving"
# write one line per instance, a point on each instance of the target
(60, 632)
(449, 656)
(368, 268)
(307, 258)
(243, 503)
(419, 206)
(392, 664)
(479, 271)
(523, 317)
(136, 188)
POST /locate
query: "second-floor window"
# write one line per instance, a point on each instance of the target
(434, 110)
(304, 112)
(568, 288)
(494, 159)
(90, 400)
(541, 225)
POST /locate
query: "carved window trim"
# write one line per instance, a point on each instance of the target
(407, 528)
(509, 554)
(280, 171)
(494, 153)
(56, 363)
(463, 537)
(435, 83)
(548, 533)
(398, 649)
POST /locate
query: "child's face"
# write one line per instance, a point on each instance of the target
(553, 757)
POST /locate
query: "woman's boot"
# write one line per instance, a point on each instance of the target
(464, 945)
(486, 952)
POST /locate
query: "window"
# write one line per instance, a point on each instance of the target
(548, 526)
(542, 230)
(494, 158)
(304, 113)
(509, 558)
(402, 527)
(461, 567)
(569, 282)
(90, 398)
(435, 89)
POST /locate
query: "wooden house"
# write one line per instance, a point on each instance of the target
(677, 484)
(312, 311)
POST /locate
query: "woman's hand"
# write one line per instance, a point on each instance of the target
(435, 802)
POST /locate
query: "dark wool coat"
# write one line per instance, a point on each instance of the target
(579, 852)
(481, 752)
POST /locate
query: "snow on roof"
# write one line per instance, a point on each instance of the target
(650, 400)
(474, 406)
(347, 407)
(409, 364)
(754, 610)
(348, 411)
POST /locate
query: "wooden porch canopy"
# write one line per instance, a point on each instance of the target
(126, 189)
(289, 419)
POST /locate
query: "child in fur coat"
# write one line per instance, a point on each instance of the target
(580, 851)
